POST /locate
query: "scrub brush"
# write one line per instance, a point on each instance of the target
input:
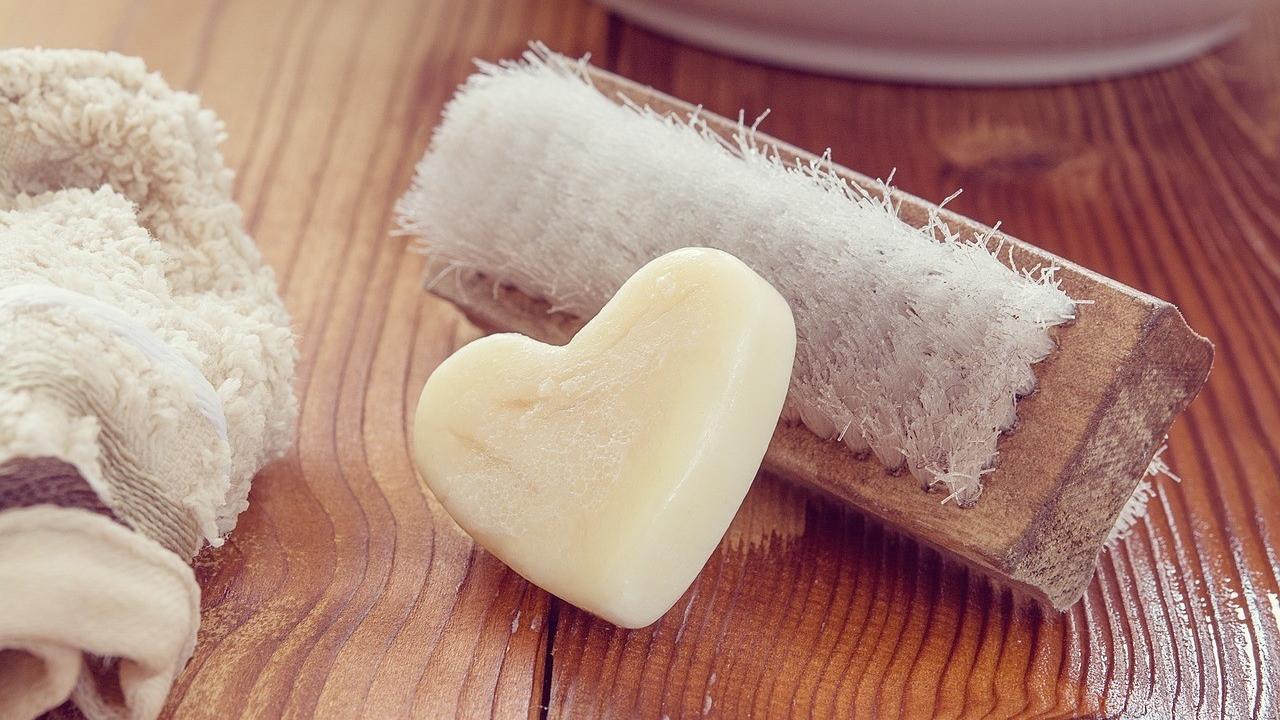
(1030, 394)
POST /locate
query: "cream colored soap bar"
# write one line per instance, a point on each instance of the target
(607, 470)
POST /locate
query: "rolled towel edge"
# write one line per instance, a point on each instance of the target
(79, 582)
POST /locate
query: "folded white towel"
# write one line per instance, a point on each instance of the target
(144, 346)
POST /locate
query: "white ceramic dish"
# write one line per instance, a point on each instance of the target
(966, 42)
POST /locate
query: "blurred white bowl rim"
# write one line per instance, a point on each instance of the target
(961, 42)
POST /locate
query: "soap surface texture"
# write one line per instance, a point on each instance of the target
(607, 470)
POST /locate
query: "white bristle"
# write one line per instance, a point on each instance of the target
(1136, 507)
(914, 343)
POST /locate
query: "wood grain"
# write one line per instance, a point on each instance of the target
(345, 592)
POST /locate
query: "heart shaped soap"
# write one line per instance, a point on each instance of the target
(607, 470)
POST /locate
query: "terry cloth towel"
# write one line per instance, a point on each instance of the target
(146, 363)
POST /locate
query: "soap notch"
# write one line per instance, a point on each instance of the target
(607, 470)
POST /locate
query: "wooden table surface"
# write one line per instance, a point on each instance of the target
(345, 591)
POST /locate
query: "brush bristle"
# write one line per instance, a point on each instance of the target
(913, 343)
(1136, 506)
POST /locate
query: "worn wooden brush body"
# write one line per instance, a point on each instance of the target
(1104, 401)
